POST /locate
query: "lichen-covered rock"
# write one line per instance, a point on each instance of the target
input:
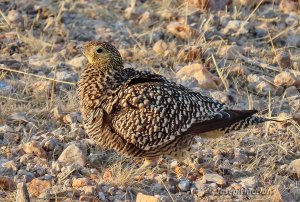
(73, 154)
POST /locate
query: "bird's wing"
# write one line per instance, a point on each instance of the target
(151, 112)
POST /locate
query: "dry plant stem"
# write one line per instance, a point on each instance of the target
(271, 41)
(69, 173)
(4, 17)
(220, 73)
(269, 114)
(282, 32)
(251, 14)
(267, 80)
(42, 77)
(295, 124)
(259, 64)
(133, 37)
(167, 190)
(53, 87)
(275, 19)
(14, 99)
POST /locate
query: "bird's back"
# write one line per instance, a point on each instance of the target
(152, 111)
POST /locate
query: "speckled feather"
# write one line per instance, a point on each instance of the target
(143, 114)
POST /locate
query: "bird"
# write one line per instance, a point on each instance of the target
(140, 114)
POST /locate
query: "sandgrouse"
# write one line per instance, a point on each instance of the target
(142, 114)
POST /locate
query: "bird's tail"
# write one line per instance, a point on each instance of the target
(251, 120)
(242, 124)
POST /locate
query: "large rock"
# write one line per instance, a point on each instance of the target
(11, 165)
(294, 168)
(283, 60)
(37, 186)
(77, 62)
(206, 80)
(287, 79)
(5, 87)
(6, 171)
(184, 185)
(214, 178)
(15, 18)
(248, 182)
(288, 6)
(34, 148)
(160, 47)
(180, 30)
(292, 92)
(73, 154)
(81, 182)
(146, 198)
(49, 143)
(234, 26)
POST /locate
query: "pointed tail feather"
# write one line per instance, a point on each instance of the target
(252, 120)
(227, 121)
(222, 120)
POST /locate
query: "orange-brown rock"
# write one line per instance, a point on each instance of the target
(37, 186)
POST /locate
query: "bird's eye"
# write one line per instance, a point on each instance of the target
(99, 50)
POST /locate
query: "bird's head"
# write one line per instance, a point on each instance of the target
(103, 53)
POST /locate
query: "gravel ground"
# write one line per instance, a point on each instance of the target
(243, 53)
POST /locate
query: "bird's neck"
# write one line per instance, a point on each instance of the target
(96, 84)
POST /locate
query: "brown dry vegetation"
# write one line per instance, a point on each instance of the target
(248, 55)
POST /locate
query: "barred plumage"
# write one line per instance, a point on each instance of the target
(142, 114)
